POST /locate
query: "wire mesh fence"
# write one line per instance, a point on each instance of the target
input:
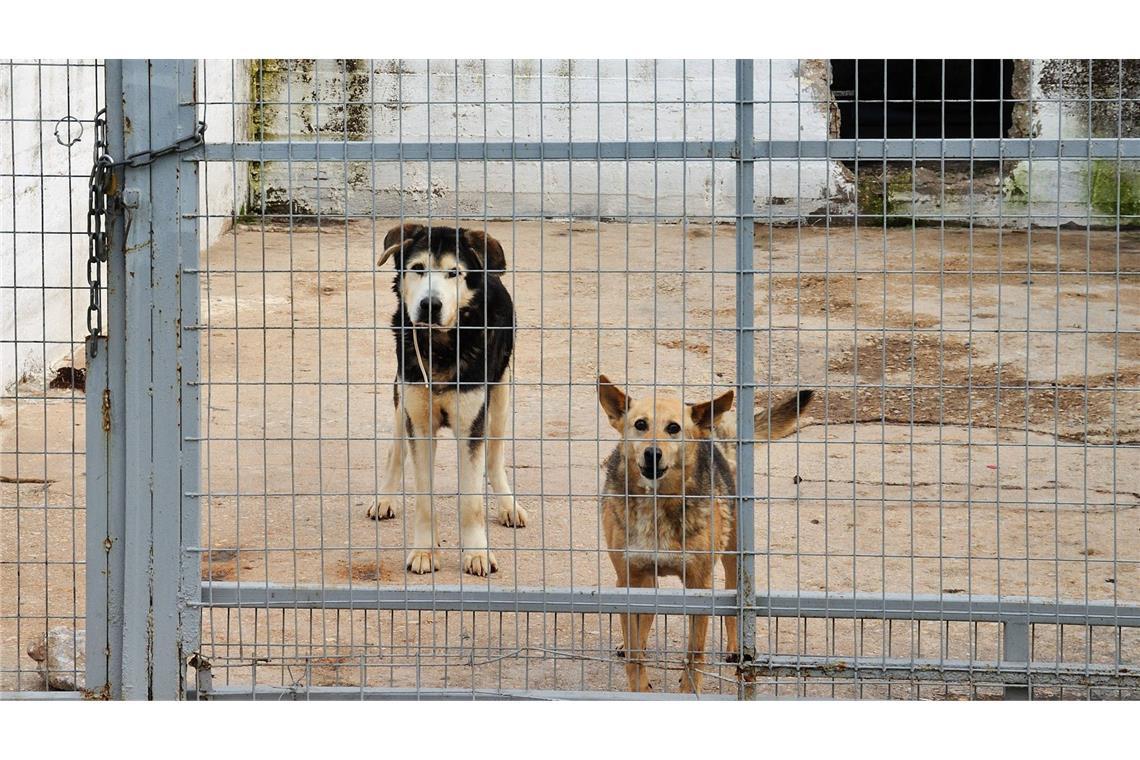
(45, 159)
(943, 252)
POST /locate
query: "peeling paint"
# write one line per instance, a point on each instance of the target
(1101, 95)
(816, 73)
(1021, 91)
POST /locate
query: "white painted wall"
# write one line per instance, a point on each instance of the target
(42, 215)
(1062, 191)
(410, 101)
(43, 205)
(43, 193)
(223, 88)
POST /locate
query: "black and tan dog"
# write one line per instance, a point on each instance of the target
(454, 330)
(668, 508)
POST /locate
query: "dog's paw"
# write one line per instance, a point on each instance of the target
(480, 563)
(513, 516)
(382, 509)
(732, 657)
(422, 561)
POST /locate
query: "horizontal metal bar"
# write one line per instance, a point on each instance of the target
(342, 150)
(36, 696)
(975, 672)
(475, 597)
(959, 608)
(970, 671)
(471, 597)
(322, 693)
(658, 271)
(338, 546)
(846, 149)
(956, 149)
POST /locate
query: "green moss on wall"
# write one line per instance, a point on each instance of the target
(1016, 184)
(1114, 189)
(265, 78)
(879, 204)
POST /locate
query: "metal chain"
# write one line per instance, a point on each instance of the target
(102, 194)
(100, 189)
(188, 143)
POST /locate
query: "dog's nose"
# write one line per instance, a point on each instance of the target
(431, 309)
(653, 459)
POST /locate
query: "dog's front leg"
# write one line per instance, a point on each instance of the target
(498, 409)
(728, 560)
(477, 558)
(384, 508)
(637, 636)
(422, 558)
(696, 577)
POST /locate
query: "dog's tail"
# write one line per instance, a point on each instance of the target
(782, 419)
(778, 421)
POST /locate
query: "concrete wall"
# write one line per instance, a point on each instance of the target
(1075, 99)
(43, 193)
(43, 205)
(1054, 99)
(529, 101)
(390, 100)
(224, 90)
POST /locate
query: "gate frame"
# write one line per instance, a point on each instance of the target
(144, 592)
(143, 458)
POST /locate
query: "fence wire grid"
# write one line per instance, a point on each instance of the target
(45, 159)
(943, 252)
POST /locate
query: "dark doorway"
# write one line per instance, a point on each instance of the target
(923, 99)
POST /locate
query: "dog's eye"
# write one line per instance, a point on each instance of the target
(453, 272)
(672, 428)
(641, 424)
(416, 268)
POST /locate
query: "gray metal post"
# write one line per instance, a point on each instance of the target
(99, 533)
(745, 365)
(106, 445)
(159, 205)
(174, 247)
(1015, 649)
(189, 591)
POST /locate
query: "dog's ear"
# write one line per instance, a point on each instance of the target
(402, 233)
(613, 401)
(397, 238)
(706, 414)
(489, 250)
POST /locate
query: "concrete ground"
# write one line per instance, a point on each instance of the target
(976, 431)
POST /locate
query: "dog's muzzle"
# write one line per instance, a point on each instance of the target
(430, 311)
(651, 465)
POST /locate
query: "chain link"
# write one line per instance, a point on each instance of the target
(102, 194)
(188, 143)
(100, 190)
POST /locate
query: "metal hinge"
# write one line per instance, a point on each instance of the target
(204, 681)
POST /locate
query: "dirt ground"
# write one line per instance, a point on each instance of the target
(976, 430)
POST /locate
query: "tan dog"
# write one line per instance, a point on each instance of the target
(668, 504)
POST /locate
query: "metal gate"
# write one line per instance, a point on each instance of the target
(210, 576)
